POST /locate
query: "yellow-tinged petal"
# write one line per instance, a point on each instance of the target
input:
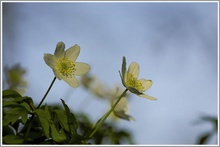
(73, 52)
(81, 68)
(134, 69)
(146, 84)
(50, 60)
(57, 74)
(147, 96)
(73, 82)
(63, 64)
(59, 51)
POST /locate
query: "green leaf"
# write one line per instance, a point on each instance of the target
(24, 118)
(13, 114)
(10, 104)
(12, 139)
(73, 125)
(45, 121)
(62, 118)
(19, 99)
(47, 111)
(204, 138)
(26, 106)
(71, 119)
(57, 136)
(13, 104)
(28, 100)
(10, 94)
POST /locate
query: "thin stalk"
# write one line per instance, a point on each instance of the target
(94, 125)
(105, 116)
(46, 93)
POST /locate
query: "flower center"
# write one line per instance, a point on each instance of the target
(66, 67)
(133, 82)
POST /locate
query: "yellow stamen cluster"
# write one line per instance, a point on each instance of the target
(133, 82)
(66, 67)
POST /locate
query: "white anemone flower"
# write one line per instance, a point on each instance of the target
(64, 66)
(130, 80)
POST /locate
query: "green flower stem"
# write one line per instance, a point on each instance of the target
(32, 117)
(94, 126)
(46, 93)
(105, 116)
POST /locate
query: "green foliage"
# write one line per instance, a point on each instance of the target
(25, 123)
(13, 115)
(45, 121)
(13, 139)
(15, 112)
(52, 124)
(204, 137)
(10, 94)
(18, 107)
(72, 125)
(108, 133)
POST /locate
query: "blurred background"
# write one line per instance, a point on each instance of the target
(175, 44)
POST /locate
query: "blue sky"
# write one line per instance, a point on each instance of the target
(175, 44)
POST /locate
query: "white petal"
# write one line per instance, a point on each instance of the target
(59, 51)
(73, 82)
(81, 68)
(147, 96)
(57, 74)
(134, 69)
(146, 84)
(73, 52)
(50, 60)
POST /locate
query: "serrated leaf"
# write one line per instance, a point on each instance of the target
(26, 106)
(71, 119)
(45, 121)
(12, 139)
(19, 99)
(10, 104)
(67, 110)
(10, 94)
(47, 111)
(57, 136)
(24, 118)
(62, 118)
(73, 123)
(13, 114)
(10, 118)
